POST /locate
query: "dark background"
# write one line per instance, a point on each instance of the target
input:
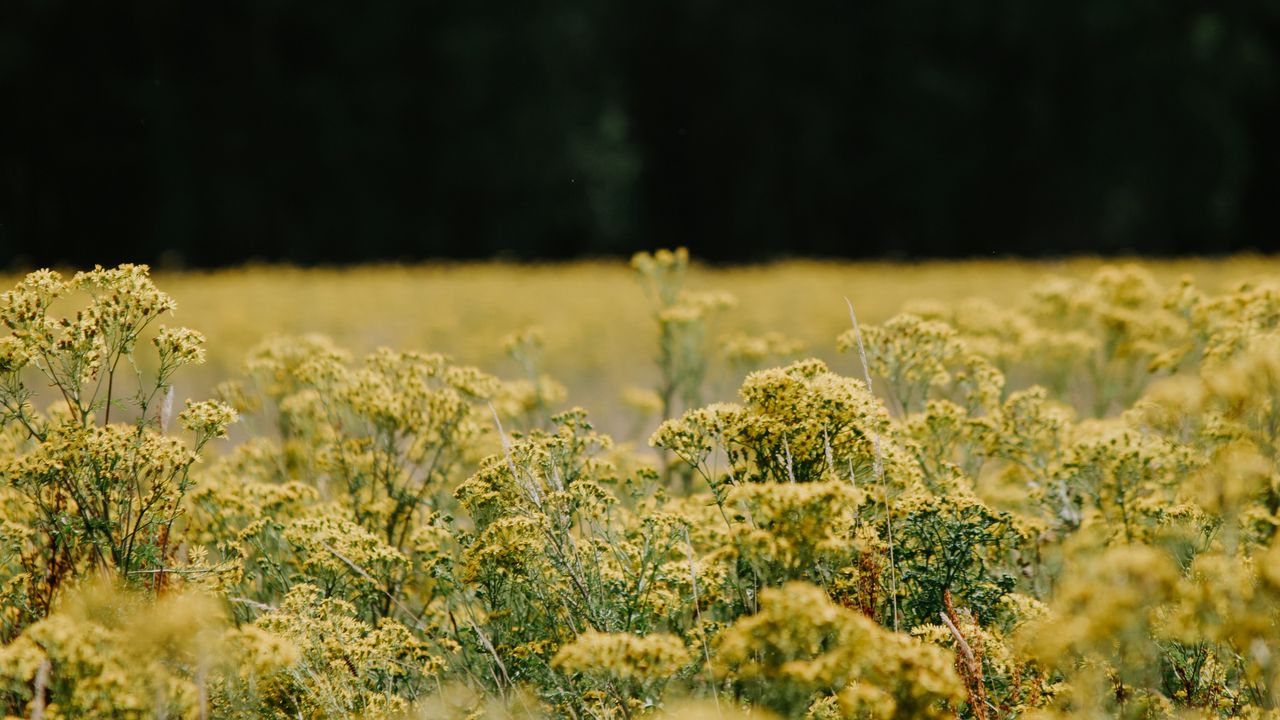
(317, 131)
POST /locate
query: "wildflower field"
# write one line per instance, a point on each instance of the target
(980, 490)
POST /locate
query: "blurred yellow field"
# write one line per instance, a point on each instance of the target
(594, 316)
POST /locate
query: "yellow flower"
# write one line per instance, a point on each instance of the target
(623, 656)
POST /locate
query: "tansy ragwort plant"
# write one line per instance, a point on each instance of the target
(91, 493)
(1065, 508)
(683, 318)
(88, 499)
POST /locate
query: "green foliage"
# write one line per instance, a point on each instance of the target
(955, 545)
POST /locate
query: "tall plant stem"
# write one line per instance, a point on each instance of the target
(879, 471)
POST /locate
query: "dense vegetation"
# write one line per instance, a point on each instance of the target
(1066, 508)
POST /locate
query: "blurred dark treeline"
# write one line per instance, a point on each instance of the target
(318, 131)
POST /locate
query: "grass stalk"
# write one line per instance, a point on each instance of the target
(879, 470)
